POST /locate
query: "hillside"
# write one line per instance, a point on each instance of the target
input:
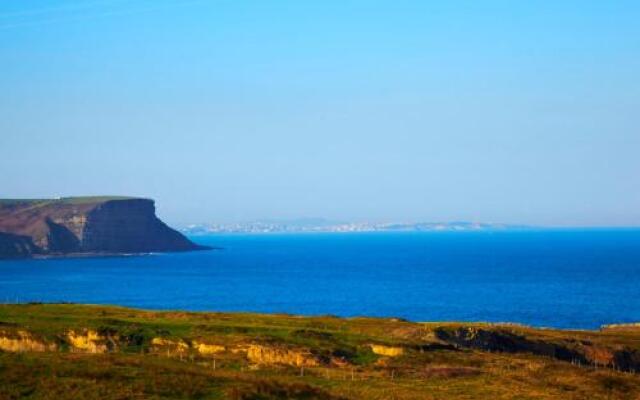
(94, 352)
(85, 225)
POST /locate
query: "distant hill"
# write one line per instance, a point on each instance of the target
(106, 224)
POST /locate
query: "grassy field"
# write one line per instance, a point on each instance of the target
(64, 351)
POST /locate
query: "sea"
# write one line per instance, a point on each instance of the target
(562, 278)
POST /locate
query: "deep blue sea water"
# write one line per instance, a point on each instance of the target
(559, 278)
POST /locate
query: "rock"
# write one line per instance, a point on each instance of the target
(269, 354)
(85, 225)
(90, 341)
(208, 349)
(22, 341)
(169, 346)
(580, 352)
(507, 342)
(389, 351)
(16, 246)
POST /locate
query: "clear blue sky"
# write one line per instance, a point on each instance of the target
(503, 111)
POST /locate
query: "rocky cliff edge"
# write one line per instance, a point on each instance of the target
(85, 225)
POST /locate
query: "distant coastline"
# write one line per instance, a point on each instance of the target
(318, 225)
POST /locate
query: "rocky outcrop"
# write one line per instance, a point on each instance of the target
(505, 341)
(582, 352)
(90, 341)
(207, 349)
(170, 347)
(256, 353)
(388, 351)
(104, 341)
(22, 341)
(16, 246)
(268, 354)
(85, 225)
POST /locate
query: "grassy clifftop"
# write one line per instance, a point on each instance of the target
(74, 351)
(64, 200)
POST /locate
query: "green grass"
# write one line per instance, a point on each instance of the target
(137, 370)
(93, 199)
(63, 200)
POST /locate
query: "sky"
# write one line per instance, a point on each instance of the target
(492, 111)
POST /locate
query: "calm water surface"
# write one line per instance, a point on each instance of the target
(565, 278)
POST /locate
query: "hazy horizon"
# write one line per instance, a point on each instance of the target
(347, 110)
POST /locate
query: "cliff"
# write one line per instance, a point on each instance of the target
(85, 225)
(16, 246)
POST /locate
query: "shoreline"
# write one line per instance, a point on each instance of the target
(57, 256)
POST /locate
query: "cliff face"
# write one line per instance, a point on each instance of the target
(16, 246)
(85, 225)
(130, 226)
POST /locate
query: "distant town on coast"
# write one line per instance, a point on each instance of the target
(320, 225)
